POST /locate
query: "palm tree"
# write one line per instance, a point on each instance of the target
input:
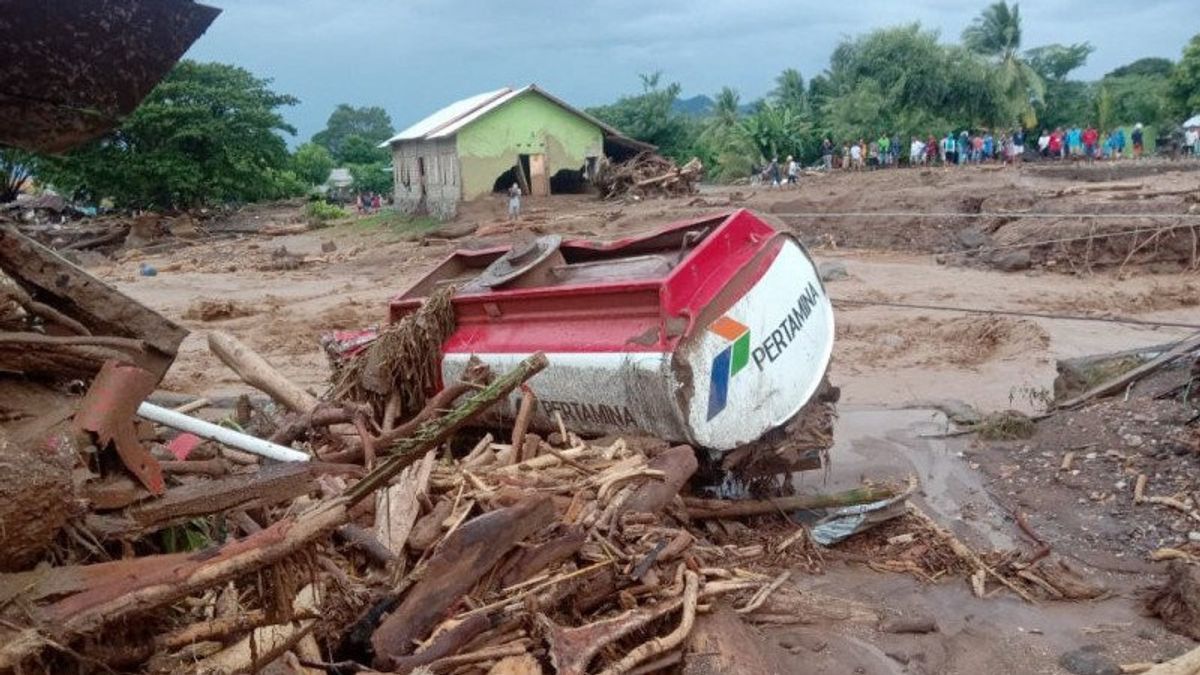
(723, 132)
(996, 33)
(789, 91)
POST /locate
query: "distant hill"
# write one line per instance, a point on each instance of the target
(702, 106)
(696, 106)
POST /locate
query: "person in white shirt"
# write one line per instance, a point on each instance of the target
(916, 152)
(1191, 141)
(1044, 143)
(856, 158)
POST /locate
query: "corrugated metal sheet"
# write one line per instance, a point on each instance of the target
(445, 116)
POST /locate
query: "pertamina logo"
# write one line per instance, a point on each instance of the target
(728, 363)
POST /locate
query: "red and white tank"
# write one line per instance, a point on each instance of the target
(709, 332)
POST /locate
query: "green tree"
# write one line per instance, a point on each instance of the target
(1064, 101)
(373, 177)
(209, 132)
(775, 130)
(15, 168)
(996, 33)
(361, 150)
(902, 80)
(312, 163)
(1151, 65)
(1136, 98)
(650, 116)
(733, 155)
(789, 91)
(1055, 61)
(1184, 90)
(370, 123)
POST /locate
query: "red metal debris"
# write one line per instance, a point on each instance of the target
(108, 410)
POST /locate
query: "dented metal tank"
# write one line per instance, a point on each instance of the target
(711, 331)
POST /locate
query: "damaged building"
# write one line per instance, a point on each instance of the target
(485, 143)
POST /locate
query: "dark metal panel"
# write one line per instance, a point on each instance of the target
(70, 71)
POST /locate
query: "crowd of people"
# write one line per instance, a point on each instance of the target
(368, 202)
(965, 147)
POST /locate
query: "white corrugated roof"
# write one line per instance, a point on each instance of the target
(451, 128)
(449, 120)
(445, 116)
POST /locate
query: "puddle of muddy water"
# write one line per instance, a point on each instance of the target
(883, 444)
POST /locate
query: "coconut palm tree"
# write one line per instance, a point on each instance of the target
(996, 34)
(789, 91)
(723, 132)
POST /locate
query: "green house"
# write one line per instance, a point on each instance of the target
(485, 143)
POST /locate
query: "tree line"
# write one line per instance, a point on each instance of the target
(209, 133)
(904, 81)
(215, 133)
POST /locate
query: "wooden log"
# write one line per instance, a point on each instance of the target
(459, 562)
(37, 492)
(524, 414)
(367, 543)
(428, 529)
(258, 373)
(722, 643)
(1184, 664)
(269, 485)
(1119, 382)
(678, 463)
(660, 645)
(707, 509)
(527, 562)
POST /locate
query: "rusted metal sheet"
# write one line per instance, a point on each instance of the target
(70, 71)
(107, 410)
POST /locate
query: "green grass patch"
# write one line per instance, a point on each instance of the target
(398, 223)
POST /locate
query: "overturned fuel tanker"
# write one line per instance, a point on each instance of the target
(716, 332)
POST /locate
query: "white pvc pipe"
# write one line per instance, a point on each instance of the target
(213, 432)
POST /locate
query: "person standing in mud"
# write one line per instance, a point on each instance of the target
(514, 202)
(1018, 145)
(827, 154)
(1138, 139)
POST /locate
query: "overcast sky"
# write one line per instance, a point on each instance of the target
(414, 56)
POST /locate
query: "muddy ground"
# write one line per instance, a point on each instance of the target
(897, 368)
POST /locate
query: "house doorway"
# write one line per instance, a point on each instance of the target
(421, 175)
(534, 167)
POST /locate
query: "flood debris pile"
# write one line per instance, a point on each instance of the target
(649, 175)
(81, 234)
(1120, 444)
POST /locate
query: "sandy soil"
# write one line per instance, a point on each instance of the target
(890, 362)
